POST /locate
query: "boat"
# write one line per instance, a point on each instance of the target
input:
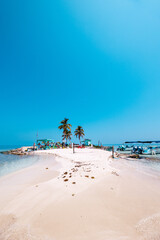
(141, 147)
(137, 149)
(125, 147)
(151, 150)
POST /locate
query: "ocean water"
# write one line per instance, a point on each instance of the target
(8, 147)
(12, 163)
(110, 145)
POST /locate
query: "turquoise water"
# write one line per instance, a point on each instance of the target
(110, 145)
(8, 147)
(12, 163)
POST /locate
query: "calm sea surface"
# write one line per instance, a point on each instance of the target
(12, 163)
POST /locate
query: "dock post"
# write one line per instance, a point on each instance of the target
(112, 151)
(73, 147)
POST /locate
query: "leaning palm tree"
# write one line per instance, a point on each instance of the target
(79, 132)
(66, 129)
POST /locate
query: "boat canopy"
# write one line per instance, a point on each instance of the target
(144, 142)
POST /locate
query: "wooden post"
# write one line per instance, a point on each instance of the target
(112, 151)
(73, 147)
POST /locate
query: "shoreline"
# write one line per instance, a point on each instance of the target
(87, 194)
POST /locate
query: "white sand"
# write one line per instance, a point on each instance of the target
(109, 200)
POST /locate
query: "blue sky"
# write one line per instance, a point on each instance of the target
(94, 62)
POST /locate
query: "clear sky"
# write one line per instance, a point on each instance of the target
(94, 62)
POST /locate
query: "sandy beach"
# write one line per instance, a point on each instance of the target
(86, 195)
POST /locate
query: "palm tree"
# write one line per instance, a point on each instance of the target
(79, 132)
(66, 129)
(67, 135)
(65, 125)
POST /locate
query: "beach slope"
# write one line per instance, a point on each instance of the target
(86, 195)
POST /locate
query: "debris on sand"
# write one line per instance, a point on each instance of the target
(78, 165)
(65, 180)
(134, 156)
(92, 177)
(114, 173)
(87, 176)
(73, 182)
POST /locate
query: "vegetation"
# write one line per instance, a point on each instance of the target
(79, 132)
(67, 135)
(66, 129)
(96, 146)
